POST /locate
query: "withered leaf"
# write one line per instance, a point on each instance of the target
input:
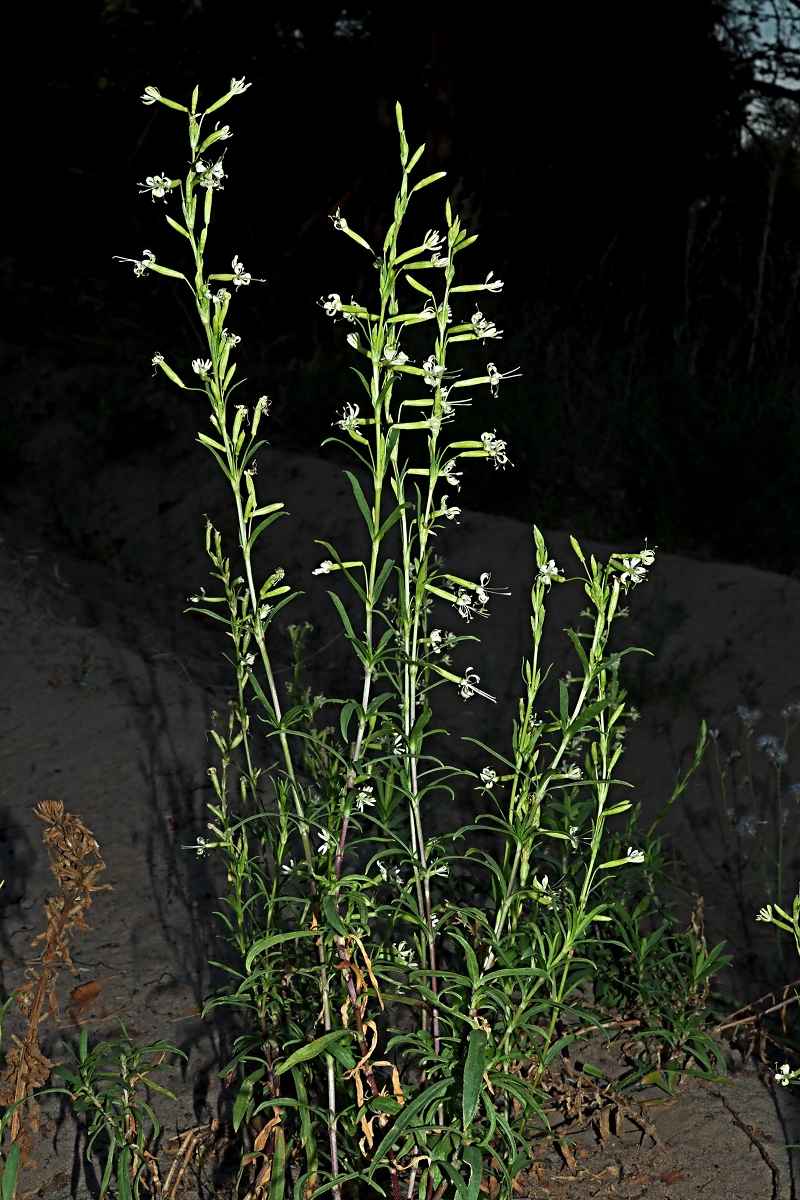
(82, 998)
(673, 1177)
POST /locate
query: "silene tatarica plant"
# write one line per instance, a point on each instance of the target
(410, 999)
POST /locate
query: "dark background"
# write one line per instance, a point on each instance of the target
(632, 171)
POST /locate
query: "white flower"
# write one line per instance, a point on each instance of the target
(433, 371)
(633, 572)
(338, 220)
(365, 799)
(438, 261)
(482, 594)
(432, 240)
(238, 86)
(468, 685)
(635, 856)
(157, 359)
(263, 405)
(395, 356)
(353, 340)
(550, 573)
(444, 870)
(449, 406)
(483, 327)
(156, 185)
(140, 265)
(201, 366)
(151, 95)
(231, 339)
(572, 771)
(326, 840)
(543, 889)
(406, 953)
(488, 777)
(463, 604)
(241, 278)
(449, 513)
(495, 376)
(785, 1075)
(435, 919)
(749, 716)
(211, 174)
(452, 476)
(495, 448)
(288, 867)
(324, 568)
(349, 417)
(202, 847)
(388, 874)
(496, 285)
(332, 305)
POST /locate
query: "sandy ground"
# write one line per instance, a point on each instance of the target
(107, 691)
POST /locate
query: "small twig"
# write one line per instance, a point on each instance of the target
(748, 1007)
(641, 1120)
(607, 1025)
(186, 1149)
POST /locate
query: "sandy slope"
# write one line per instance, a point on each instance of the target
(106, 699)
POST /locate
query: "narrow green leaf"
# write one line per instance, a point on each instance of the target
(473, 1075)
(473, 1157)
(10, 1171)
(420, 288)
(311, 1050)
(177, 227)
(278, 1180)
(428, 1098)
(104, 1182)
(344, 717)
(262, 525)
(244, 1099)
(344, 617)
(380, 582)
(332, 916)
(428, 180)
(306, 1128)
(361, 501)
(152, 266)
(274, 939)
(124, 1163)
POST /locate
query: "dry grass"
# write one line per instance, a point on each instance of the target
(76, 863)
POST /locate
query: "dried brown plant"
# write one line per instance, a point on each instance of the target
(76, 862)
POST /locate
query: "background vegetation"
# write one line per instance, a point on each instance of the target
(649, 153)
